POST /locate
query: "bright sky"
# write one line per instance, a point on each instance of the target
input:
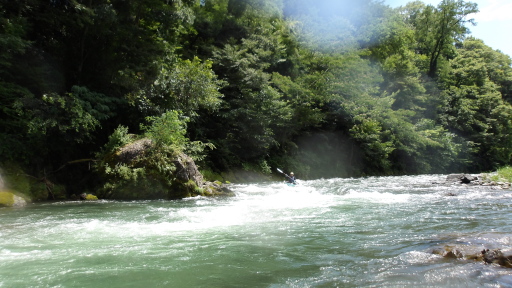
(494, 22)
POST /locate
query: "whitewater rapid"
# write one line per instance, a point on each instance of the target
(365, 232)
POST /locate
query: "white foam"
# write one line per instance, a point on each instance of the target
(379, 197)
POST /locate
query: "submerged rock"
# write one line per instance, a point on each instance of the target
(217, 189)
(494, 256)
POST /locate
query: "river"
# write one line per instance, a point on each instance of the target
(367, 232)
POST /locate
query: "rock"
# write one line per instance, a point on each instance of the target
(453, 254)
(449, 252)
(91, 197)
(217, 189)
(465, 180)
(486, 256)
(475, 180)
(10, 199)
(186, 169)
(132, 151)
(495, 256)
(454, 177)
(143, 170)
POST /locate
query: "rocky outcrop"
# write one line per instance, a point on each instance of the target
(188, 179)
(141, 170)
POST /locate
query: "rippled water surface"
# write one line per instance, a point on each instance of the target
(369, 232)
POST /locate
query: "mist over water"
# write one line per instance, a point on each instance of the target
(1, 180)
(368, 232)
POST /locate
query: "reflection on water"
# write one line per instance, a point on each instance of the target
(369, 232)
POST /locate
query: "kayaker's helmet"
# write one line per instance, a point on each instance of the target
(291, 173)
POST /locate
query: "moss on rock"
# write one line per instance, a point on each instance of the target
(90, 197)
(11, 199)
(141, 170)
(6, 199)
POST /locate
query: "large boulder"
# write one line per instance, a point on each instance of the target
(130, 153)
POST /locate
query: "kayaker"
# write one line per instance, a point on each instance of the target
(291, 178)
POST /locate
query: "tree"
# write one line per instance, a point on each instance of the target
(393, 46)
(183, 85)
(473, 105)
(438, 28)
(13, 140)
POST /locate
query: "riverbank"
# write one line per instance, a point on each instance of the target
(497, 180)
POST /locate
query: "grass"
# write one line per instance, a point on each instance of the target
(503, 174)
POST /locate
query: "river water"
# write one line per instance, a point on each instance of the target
(368, 232)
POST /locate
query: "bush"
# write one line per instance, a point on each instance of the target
(118, 139)
(168, 130)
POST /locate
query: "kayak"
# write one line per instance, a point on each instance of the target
(292, 184)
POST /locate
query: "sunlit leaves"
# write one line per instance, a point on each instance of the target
(169, 129)
(473, 103)
(186, 85)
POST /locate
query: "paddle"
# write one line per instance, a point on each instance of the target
(281, 171)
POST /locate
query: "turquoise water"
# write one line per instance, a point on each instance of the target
(369, 232)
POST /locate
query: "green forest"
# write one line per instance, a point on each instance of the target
(343, 89)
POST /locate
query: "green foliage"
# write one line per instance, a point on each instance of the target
(503, 174)
(437, 28)
(122, 182)
(441, 151)
(73, 117)
(253, 109)
(261, 167)
(145, 168)
(211, 176)
(39, 191)
(15, 178)
(474, 107)
(168, 130)
(116, 140)
(182, 85)
(196, 150)
(330, 89)
(369, 134)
